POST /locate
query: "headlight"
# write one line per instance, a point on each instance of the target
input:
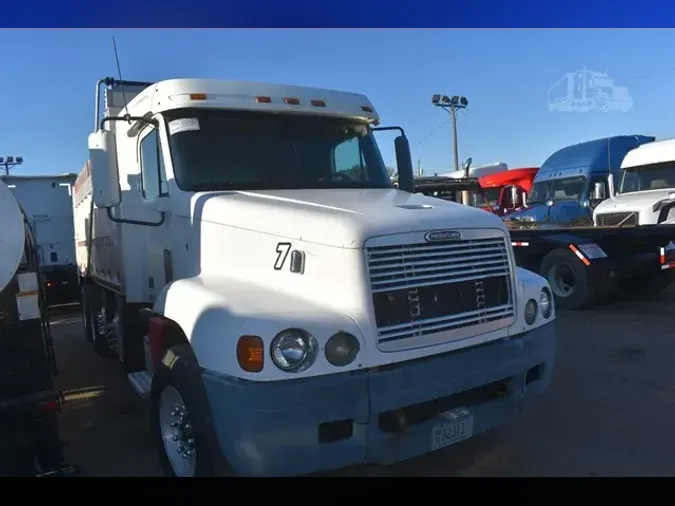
(293, 350)
(341, 349)
(530, 311)
(545, 302)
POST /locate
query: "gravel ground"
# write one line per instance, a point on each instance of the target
(609, 411)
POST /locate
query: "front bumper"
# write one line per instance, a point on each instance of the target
(316, 424)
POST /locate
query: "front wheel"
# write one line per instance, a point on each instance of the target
(181, 421)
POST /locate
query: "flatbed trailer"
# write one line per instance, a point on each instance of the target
(584, 264)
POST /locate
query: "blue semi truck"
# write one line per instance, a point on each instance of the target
(573, 180)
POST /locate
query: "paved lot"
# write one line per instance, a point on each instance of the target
(609, 411)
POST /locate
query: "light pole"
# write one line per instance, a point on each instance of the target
(452, 104)
(9, 162)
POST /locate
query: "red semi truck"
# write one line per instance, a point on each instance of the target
(506, 191)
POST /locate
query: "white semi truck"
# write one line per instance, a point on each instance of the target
(286, 310)
(645, 192)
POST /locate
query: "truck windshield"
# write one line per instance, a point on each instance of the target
(235, 150)
(488, 197)
(558, 190)
(648, 177)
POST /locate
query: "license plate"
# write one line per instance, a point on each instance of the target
(458, 427)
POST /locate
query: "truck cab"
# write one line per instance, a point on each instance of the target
(281, 305)
(573, 180)
(506, 191)
(645, 188)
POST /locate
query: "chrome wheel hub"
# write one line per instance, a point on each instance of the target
(177, 435)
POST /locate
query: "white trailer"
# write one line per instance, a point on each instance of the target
(284, 308)
(47, 202)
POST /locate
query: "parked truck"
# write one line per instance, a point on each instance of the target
(645, 188)
(505, 192)
(47, 201)
(573, 180)
(29, 399)
(285, 310)
(583, 264)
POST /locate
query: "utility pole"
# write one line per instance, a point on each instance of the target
(9, 162)
(451, 105)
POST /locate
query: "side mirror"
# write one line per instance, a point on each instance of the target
(610, 184)
(404, 164)
(514, 195)
(103, 166)
(598, 192)
(467, 166)
(524, 199)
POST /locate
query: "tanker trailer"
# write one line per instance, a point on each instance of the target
(29, 401)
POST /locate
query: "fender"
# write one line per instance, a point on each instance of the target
(214, 313)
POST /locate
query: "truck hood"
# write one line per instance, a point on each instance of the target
(336, 217)
(637, 201)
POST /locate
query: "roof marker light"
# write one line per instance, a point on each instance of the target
(318, 103)
(263, 100)
(197, 96)
(291, 101)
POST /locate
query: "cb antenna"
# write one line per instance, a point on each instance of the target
(119, 73)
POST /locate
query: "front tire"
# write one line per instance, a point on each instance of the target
(180, 415)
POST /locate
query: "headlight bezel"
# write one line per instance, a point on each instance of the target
(547, 292)
(311, 349)
(534, 314)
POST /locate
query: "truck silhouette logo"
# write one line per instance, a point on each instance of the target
(587, 90)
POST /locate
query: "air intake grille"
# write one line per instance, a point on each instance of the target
(428, 288)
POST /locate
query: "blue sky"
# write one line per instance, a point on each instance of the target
(47, 93)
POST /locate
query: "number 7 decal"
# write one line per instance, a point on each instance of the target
(282, 253)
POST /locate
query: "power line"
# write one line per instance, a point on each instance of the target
(426, 138)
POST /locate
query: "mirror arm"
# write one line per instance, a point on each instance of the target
(126, 118)
(159, 223)
(380, 129)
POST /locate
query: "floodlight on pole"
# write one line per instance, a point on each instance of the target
(9, 162)
(452, 104)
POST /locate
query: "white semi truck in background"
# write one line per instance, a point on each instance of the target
(645, 190)
(47, 202)
(287, 311)
(29, 399)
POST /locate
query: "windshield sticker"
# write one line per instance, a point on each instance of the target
(183, 125)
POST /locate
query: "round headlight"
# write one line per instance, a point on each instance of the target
(293, 350)
(545, 302)
(530, 311)
(341, 349)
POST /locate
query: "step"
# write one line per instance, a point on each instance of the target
(141, 381)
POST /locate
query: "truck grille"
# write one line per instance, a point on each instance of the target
(423, 289)
(612, 219)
